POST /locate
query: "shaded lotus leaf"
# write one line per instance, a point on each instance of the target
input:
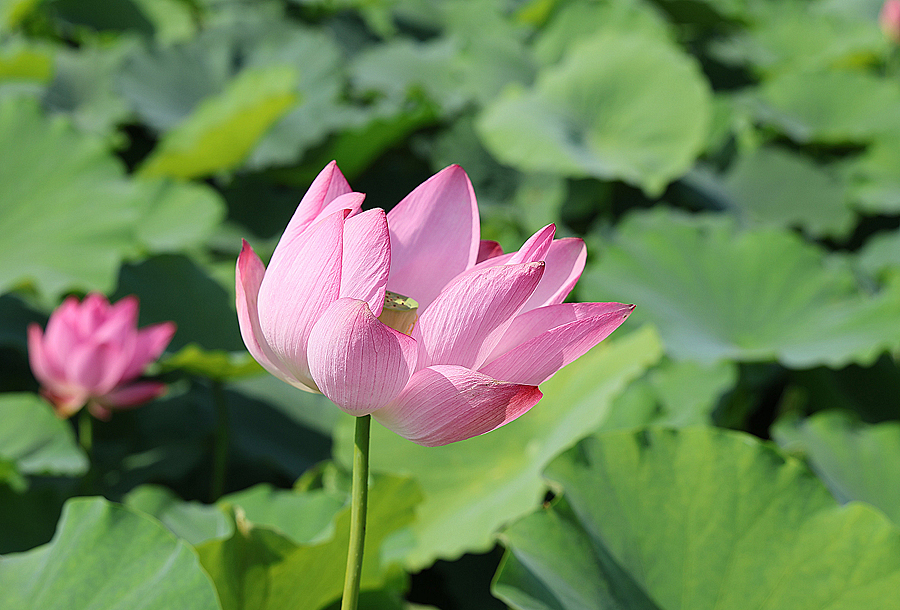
(304, 516)
(260, 568)
(107, 556)
(222, 130)
(774, 187)
(716, 293)
(881, 253)
(83, 87)
(37, 441)
(699, 518)
(857, 461)
(830, 106)
(585, 117)
(213, 364)
(873, 182)
(473, 487)
(191, 521)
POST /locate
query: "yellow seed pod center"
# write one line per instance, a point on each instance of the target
(399, 312)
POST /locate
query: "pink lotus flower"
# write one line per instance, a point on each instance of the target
(890, 19)
(332, 314)
(92, 353)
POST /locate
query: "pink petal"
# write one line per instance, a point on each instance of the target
(328, 185)
(36, 356)
(249, 275)
(446, 404)
(92, 313)
(434, 235)
(151, 341)
(297, 289)
(565, 262)
(62, 333)
(348, 201)
(488, 249)
(133, 394)
(292, 238)
(53, 382)
(119, 321)
(549, 338)
(535, 249)
(471, 315)
(356, 361)
(98, 367)
(366, 258)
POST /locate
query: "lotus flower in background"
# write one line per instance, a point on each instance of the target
(409, 316)
(890, 19)
(92, 353)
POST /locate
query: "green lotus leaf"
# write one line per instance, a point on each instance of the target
(695, 519)
(857, 461)
(106, 556)
(717, 293)
(599, 113)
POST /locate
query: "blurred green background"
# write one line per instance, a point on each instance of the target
(733, 165)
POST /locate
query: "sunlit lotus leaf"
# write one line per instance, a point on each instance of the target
(598, 113)
(106, 556)
(716, 292)
(695, 519)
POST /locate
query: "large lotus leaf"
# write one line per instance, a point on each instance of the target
(83, 87)
(873, 178)
(222, 130)
(68, 213)
(192, 521)
(719, 293)
(478, 54)
(106, 556)
(279, 509)
(168, 204)
(35, 439)
(626, 106)
(13, 11)
(774, 187)
(165, 84)
(472, 488)
(212, 326)
(857, 461)
(572, 22)
(21, 62)
(830, 106)
(217, 365)
(696, 519)
(320, 91)
(673, 393)
(881, 253)
(260, 569)
(799, 36)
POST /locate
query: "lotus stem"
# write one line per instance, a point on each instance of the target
(359, 496)
(220, 451)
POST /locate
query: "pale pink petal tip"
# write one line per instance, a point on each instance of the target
(447, 404)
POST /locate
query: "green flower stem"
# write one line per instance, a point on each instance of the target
(86, 440)
(359, 496)
(86, 433)
(220, 451)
